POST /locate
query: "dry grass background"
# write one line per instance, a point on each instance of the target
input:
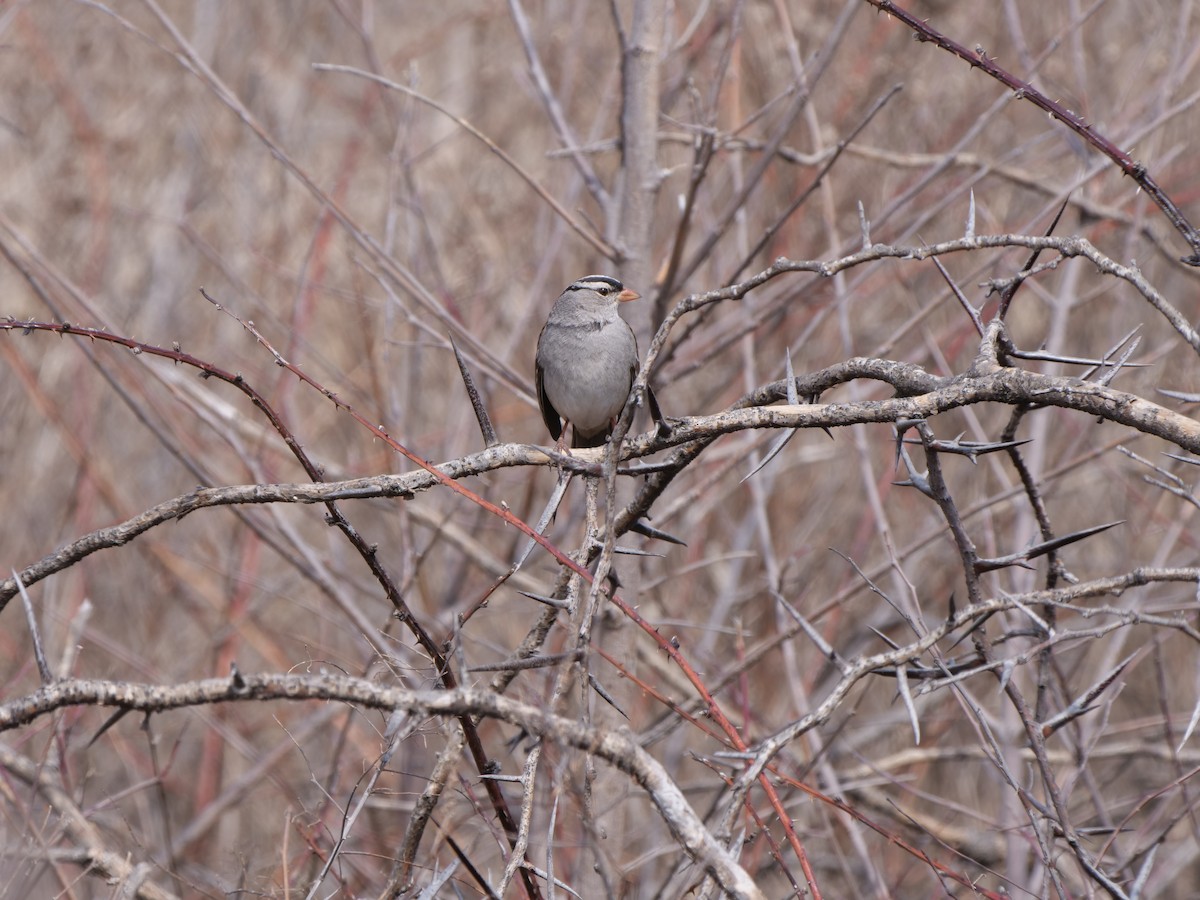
(126, 184)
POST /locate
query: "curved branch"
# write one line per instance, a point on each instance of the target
(1004, 385)
(859, 668)
(1026, 91)
(986, 383)
(618, 748)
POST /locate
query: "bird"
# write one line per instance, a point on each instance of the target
(587, 357)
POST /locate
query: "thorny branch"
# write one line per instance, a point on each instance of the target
(1025, 91)
(619, 750)
(1001, 627)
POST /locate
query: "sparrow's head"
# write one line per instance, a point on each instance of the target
(604, 286)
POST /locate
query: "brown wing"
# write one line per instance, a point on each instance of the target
(549, 414)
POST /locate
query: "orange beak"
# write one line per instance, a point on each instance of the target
(626, 295)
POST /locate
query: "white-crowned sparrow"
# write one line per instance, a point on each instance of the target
(587, 357)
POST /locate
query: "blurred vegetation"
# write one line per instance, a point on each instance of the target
(130, 180)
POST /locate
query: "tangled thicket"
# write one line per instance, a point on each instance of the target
(899, 600)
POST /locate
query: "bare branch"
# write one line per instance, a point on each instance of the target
(618, 750)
